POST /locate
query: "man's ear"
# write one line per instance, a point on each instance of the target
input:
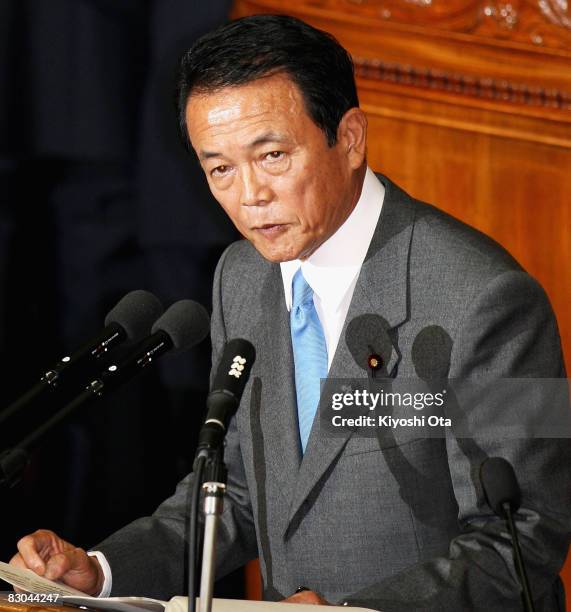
(352, 136)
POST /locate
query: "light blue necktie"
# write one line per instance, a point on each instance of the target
(309, 354)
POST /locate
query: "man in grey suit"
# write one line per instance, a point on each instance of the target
(397, 288)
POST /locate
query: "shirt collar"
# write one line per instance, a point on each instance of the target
(334, 266)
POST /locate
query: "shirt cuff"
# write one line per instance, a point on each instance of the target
(107, 578)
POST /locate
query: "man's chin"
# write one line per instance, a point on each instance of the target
(276, 255)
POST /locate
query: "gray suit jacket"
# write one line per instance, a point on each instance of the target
(381, 522)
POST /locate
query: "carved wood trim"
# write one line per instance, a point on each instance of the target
(545, 24)
(394, 105)
(462, 84)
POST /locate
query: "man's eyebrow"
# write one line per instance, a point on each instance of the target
(260, 140)
(267, 137)
(208, 154)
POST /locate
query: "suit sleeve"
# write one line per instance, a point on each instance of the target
(509, 331)
(148, 556)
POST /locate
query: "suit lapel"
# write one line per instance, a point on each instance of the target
(381, 292)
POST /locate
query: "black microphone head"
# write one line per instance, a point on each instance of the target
(135, 313)
(224, 398)
(186, 323)
(500, 485)
(234, 367)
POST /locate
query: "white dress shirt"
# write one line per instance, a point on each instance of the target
(108, 580)
(332, 273)
(333, 269)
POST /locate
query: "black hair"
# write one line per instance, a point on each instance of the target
(249, 48)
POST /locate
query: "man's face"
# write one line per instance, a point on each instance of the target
(270, 166)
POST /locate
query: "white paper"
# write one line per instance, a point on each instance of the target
(27, 580)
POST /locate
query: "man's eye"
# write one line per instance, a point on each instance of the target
(220, 171)
(274, 155)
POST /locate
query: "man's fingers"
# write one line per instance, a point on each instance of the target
(72, 560)
(17, 561)
(35, 549)
(58, 565)
(48, 555)
(28, 548)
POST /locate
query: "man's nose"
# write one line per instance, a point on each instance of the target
(255, 190)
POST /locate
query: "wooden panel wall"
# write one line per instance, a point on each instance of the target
(469, 106)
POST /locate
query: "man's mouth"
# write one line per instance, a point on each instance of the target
(270, 229)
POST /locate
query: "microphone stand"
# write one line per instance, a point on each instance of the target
(214, 489)
(14, 460)
(70, 367)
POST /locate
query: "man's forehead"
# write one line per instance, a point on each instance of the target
(229, 109)
(222, 113)
(265, 110)
(246, 129)
(266, 95)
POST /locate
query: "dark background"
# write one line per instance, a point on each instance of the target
(98, 197)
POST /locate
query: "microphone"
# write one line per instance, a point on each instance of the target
(504, 498)
(224, 397)
(222, 403)
(130, 319)
(182, 326)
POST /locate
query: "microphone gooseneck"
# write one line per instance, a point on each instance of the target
(182, 326)
(504, 497)
(129, 320)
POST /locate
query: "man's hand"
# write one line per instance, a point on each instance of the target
(49, 556)
(306, 597)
